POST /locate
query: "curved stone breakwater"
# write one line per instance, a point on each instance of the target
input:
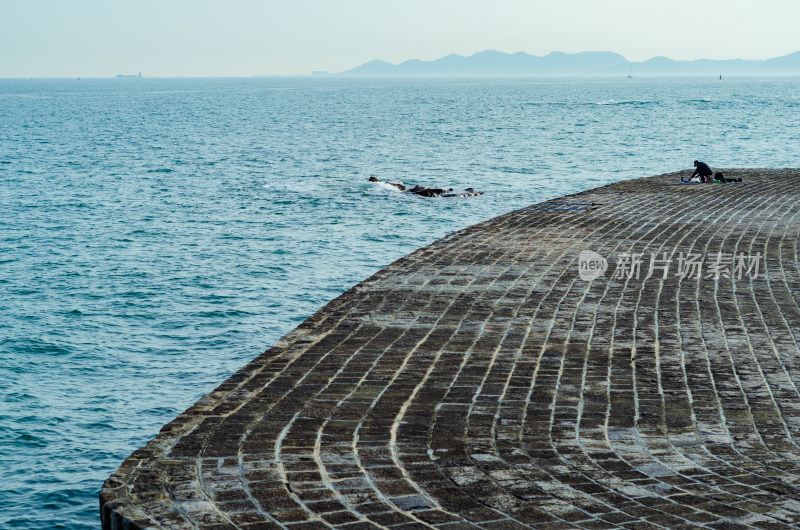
(487, 381)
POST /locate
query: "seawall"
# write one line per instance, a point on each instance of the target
(486, 381)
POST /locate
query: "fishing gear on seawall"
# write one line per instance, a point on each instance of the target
(703, 173)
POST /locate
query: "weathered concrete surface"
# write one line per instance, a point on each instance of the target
(481, 383)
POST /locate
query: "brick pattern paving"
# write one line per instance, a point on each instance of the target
(481, 383)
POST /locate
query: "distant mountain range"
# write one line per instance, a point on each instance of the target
(494, 63)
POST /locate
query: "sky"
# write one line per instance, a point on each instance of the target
(198, 38)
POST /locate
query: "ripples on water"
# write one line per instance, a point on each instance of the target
(155, 235)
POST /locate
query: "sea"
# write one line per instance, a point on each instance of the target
(157, 234)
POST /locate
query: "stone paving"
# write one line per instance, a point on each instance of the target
(480, 382)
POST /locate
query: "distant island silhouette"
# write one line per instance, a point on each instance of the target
(495, 63)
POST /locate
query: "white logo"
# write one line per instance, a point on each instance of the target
(591, 265)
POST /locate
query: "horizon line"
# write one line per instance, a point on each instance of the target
(329, 73)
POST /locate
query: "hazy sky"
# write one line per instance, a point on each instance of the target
(100, 38)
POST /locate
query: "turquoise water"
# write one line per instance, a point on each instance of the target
(155, 235)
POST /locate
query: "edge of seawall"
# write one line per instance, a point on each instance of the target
(345, 420)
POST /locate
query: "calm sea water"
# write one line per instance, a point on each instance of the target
(155, 235)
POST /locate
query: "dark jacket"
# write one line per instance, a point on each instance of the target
(702, 169)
